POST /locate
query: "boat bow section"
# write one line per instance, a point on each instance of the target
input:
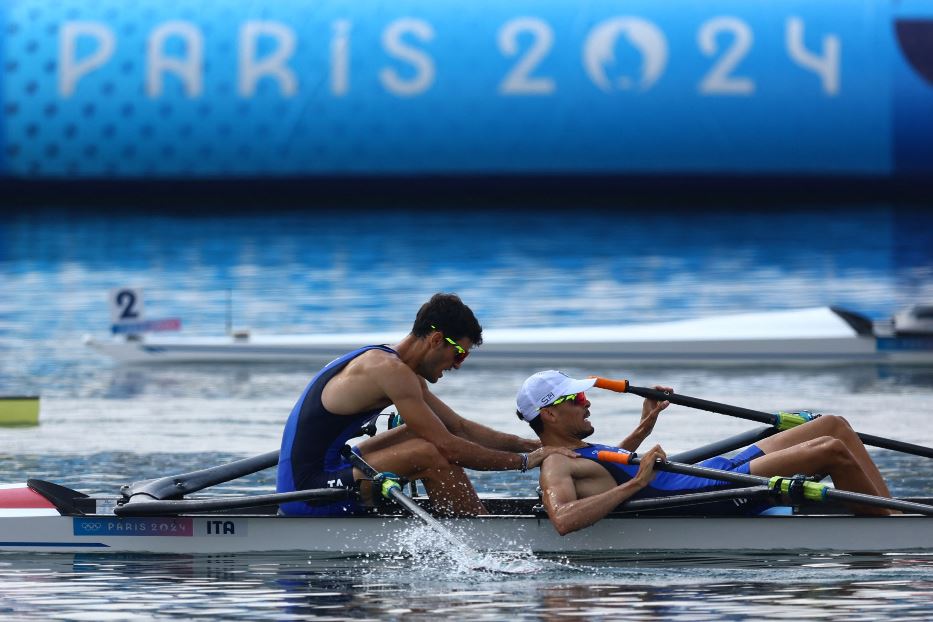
(17, 500)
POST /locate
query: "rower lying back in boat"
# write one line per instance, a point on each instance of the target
(577, 493)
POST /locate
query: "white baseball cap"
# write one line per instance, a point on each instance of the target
(544, 387)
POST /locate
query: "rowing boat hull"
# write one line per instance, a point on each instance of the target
(805, 337)
(379, 535)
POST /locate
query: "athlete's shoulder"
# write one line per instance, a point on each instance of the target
(557, 467)
(382, 359)
(386, 369)
(376, 357)
(557, 462)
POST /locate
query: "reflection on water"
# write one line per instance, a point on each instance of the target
(283, 586)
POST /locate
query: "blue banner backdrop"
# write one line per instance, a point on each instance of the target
(218, 88)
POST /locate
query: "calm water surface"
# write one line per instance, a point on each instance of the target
(104, 425)
(295, 587)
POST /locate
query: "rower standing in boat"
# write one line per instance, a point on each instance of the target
(434, 445)
(577, 493)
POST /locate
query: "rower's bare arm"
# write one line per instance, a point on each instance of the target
(476, 432)
(650, 409)
(404, 390)
(567, 512)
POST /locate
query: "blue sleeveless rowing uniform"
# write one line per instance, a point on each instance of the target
(310, 456)
(665, 483)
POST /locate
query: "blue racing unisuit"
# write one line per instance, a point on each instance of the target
(310, 456)
(666, 483)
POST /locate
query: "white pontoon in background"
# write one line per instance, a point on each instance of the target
(815, 336)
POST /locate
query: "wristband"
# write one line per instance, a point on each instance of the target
(524, 458)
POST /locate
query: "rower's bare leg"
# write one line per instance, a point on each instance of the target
(414, 458)
(386, 439)
(817, 456)
(452, 492)
(836, 427)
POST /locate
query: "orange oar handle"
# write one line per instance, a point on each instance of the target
(612, 456)
(619, 386)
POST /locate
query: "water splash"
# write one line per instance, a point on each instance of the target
(430, 554)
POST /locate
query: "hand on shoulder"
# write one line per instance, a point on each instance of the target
(529, 444)
(538, 456)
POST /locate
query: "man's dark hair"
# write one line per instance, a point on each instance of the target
(448, 314)
(535, 423)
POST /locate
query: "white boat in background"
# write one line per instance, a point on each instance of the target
(814, 336)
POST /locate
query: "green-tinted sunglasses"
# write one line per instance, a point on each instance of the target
(578, 398)
(461, 352)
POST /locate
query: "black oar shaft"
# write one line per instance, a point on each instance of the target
(695, 402)
(726, 445)
(177, 486)
(196, 506)
(769, 418)
(396, 494)
(887, 443)
(831, 493)
(701, 471)
(893, 504)
(696, 498)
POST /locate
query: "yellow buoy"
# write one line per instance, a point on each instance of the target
(19, 410)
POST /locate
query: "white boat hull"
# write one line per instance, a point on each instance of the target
(362, 535)
(816, 336)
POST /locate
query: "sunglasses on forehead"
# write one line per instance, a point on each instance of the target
(576, 398)
(461, 352)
